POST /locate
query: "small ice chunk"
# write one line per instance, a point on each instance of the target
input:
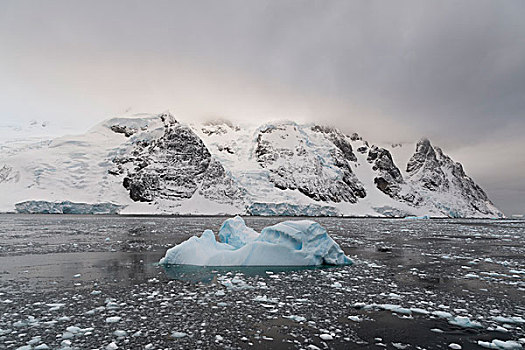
(34, 340)
(500, 344)
(417, 310)
(112, 346)
(120, 333)
(42, 347)
(55, 306)
(113, 319)
(296, 318)
(67, 335)
(73, 329)
(442, 314)
(395, 308)
(454, 346)
(502, 319)
(464, 322)
(178, 334)
(336, 285)
(326, 337)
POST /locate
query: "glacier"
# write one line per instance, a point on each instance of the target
(289, 243)
(66, 207)
(288, 209)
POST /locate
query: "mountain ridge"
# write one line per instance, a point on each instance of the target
(156, 164)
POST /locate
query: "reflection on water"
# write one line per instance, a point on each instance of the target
(208, 274)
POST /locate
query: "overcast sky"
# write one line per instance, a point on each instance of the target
(453, 71)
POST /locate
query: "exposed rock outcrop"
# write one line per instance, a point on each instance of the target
(388, 178)
(8, 174)
(437, 177)
(288, 153)
(175, 166)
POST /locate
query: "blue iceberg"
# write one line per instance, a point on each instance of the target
(289, 243)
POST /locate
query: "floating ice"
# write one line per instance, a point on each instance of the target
(500, 344)
(515, 319)
(120, 333)
(464, 322)
(111, 346)
(355, 318)
(326, 337)
(296, 318)
(289, 243)
(25, 347)
(178, 334)
(42, 347)
(113, 319)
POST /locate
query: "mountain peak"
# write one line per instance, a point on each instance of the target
(156, 164)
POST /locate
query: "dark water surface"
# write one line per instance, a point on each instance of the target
(89, 282)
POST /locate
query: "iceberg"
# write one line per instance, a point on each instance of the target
(289, 243)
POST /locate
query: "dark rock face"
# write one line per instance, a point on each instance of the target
(339, 140)
(355, 137)
(217, 185)
(362, 149)
(426, 168)
(459, 179)
(433, 171)
(119, 129)
(175, 166)
(8, 174)
(284, 150)
(389, 177)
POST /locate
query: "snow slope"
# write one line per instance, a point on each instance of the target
(156, 164)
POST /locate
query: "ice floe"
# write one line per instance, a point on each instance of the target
(500, 344)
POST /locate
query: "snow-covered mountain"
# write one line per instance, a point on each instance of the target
(156, 164)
